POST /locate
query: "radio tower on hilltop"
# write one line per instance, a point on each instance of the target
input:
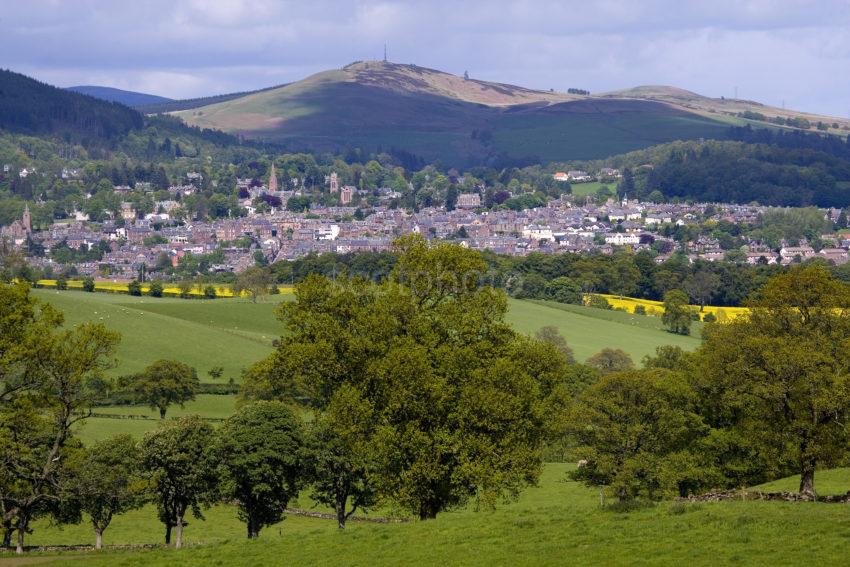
(385, 52)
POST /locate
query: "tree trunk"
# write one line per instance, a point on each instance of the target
(8, 530)
(253, 529)
(807, 480)
(428, 510)
(22, 528)
(98, 538)
(162, 413)
(340, 514)
(167, 534)
(179, 539)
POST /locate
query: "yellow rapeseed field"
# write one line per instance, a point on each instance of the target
(656, 308)
(167, 290)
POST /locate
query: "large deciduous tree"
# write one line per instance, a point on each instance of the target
(780, 377)
(677, 312)
(454, 414)
(107, 482)
(49, 379)
(635, 431)
(182, 465)
(260, 457)
(163, 383)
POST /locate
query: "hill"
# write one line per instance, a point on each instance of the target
(555, 523)
(752, 111)
(169, 105)
(435, 115)
(30, 107)
(127, 98)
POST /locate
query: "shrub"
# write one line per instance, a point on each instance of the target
(88, 285)
(709, 318)
(185, 289)
(209, 292)
(598, 302)
(155, 289)
(134, 288)
(61, 283)
(640, 310)
(274, 290)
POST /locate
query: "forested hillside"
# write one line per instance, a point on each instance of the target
(28, 106)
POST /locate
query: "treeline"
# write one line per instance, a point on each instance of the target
(567, 277)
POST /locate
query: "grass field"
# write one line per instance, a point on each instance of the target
(559, 522)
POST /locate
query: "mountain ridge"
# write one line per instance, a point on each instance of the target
(111, 94)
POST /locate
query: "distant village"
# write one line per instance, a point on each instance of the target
(568, 224)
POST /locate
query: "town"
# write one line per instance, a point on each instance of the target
(270, 232)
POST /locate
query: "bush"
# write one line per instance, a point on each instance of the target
(88, 285)
(274, 290)
(209, 292)
(599, 302)
(62, 283)
(185, 289)
(709, 318)
(155, 289)
(134, 288)
(640, 310)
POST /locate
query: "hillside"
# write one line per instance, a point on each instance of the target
(127, 98)
(752, 111)
(30, 107)
(437, 115)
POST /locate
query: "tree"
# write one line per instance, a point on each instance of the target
(701, 286)
(553, 336)
(49, 379)
(781, 376)
(155, 289)
(209, 292)
(183, 471)
(457, 415)
(185, 288)
(610, 360)
(677, 312)
(134, 288)
(88, 284)
(564, 290)
(61, 283)
(339, 457)
(259, 451)
(634, 431)
(255, 281)
(107, 481)
(215, 372)
(163, 383)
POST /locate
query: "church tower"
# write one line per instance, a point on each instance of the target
(272, 179)
(334, 182)
(27, 219)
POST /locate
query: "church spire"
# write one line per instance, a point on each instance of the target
(27, 218)
(272, 179)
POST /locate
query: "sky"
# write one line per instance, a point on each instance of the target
(771, 51)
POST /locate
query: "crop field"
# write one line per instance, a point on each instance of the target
(558, 522)
(656, 308)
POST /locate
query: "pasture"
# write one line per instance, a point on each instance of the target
(558, 522)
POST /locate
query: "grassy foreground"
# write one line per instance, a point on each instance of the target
(559, 522)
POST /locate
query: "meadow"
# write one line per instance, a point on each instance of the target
(558, 522)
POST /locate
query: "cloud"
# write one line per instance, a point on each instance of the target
(772, 50)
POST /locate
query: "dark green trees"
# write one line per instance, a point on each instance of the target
(163, 383)
(183, 471)
(677, 312)
(260, 459)
(107, 481)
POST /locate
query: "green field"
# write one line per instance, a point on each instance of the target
(234, 333)
(231, 333)
(559, 522)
